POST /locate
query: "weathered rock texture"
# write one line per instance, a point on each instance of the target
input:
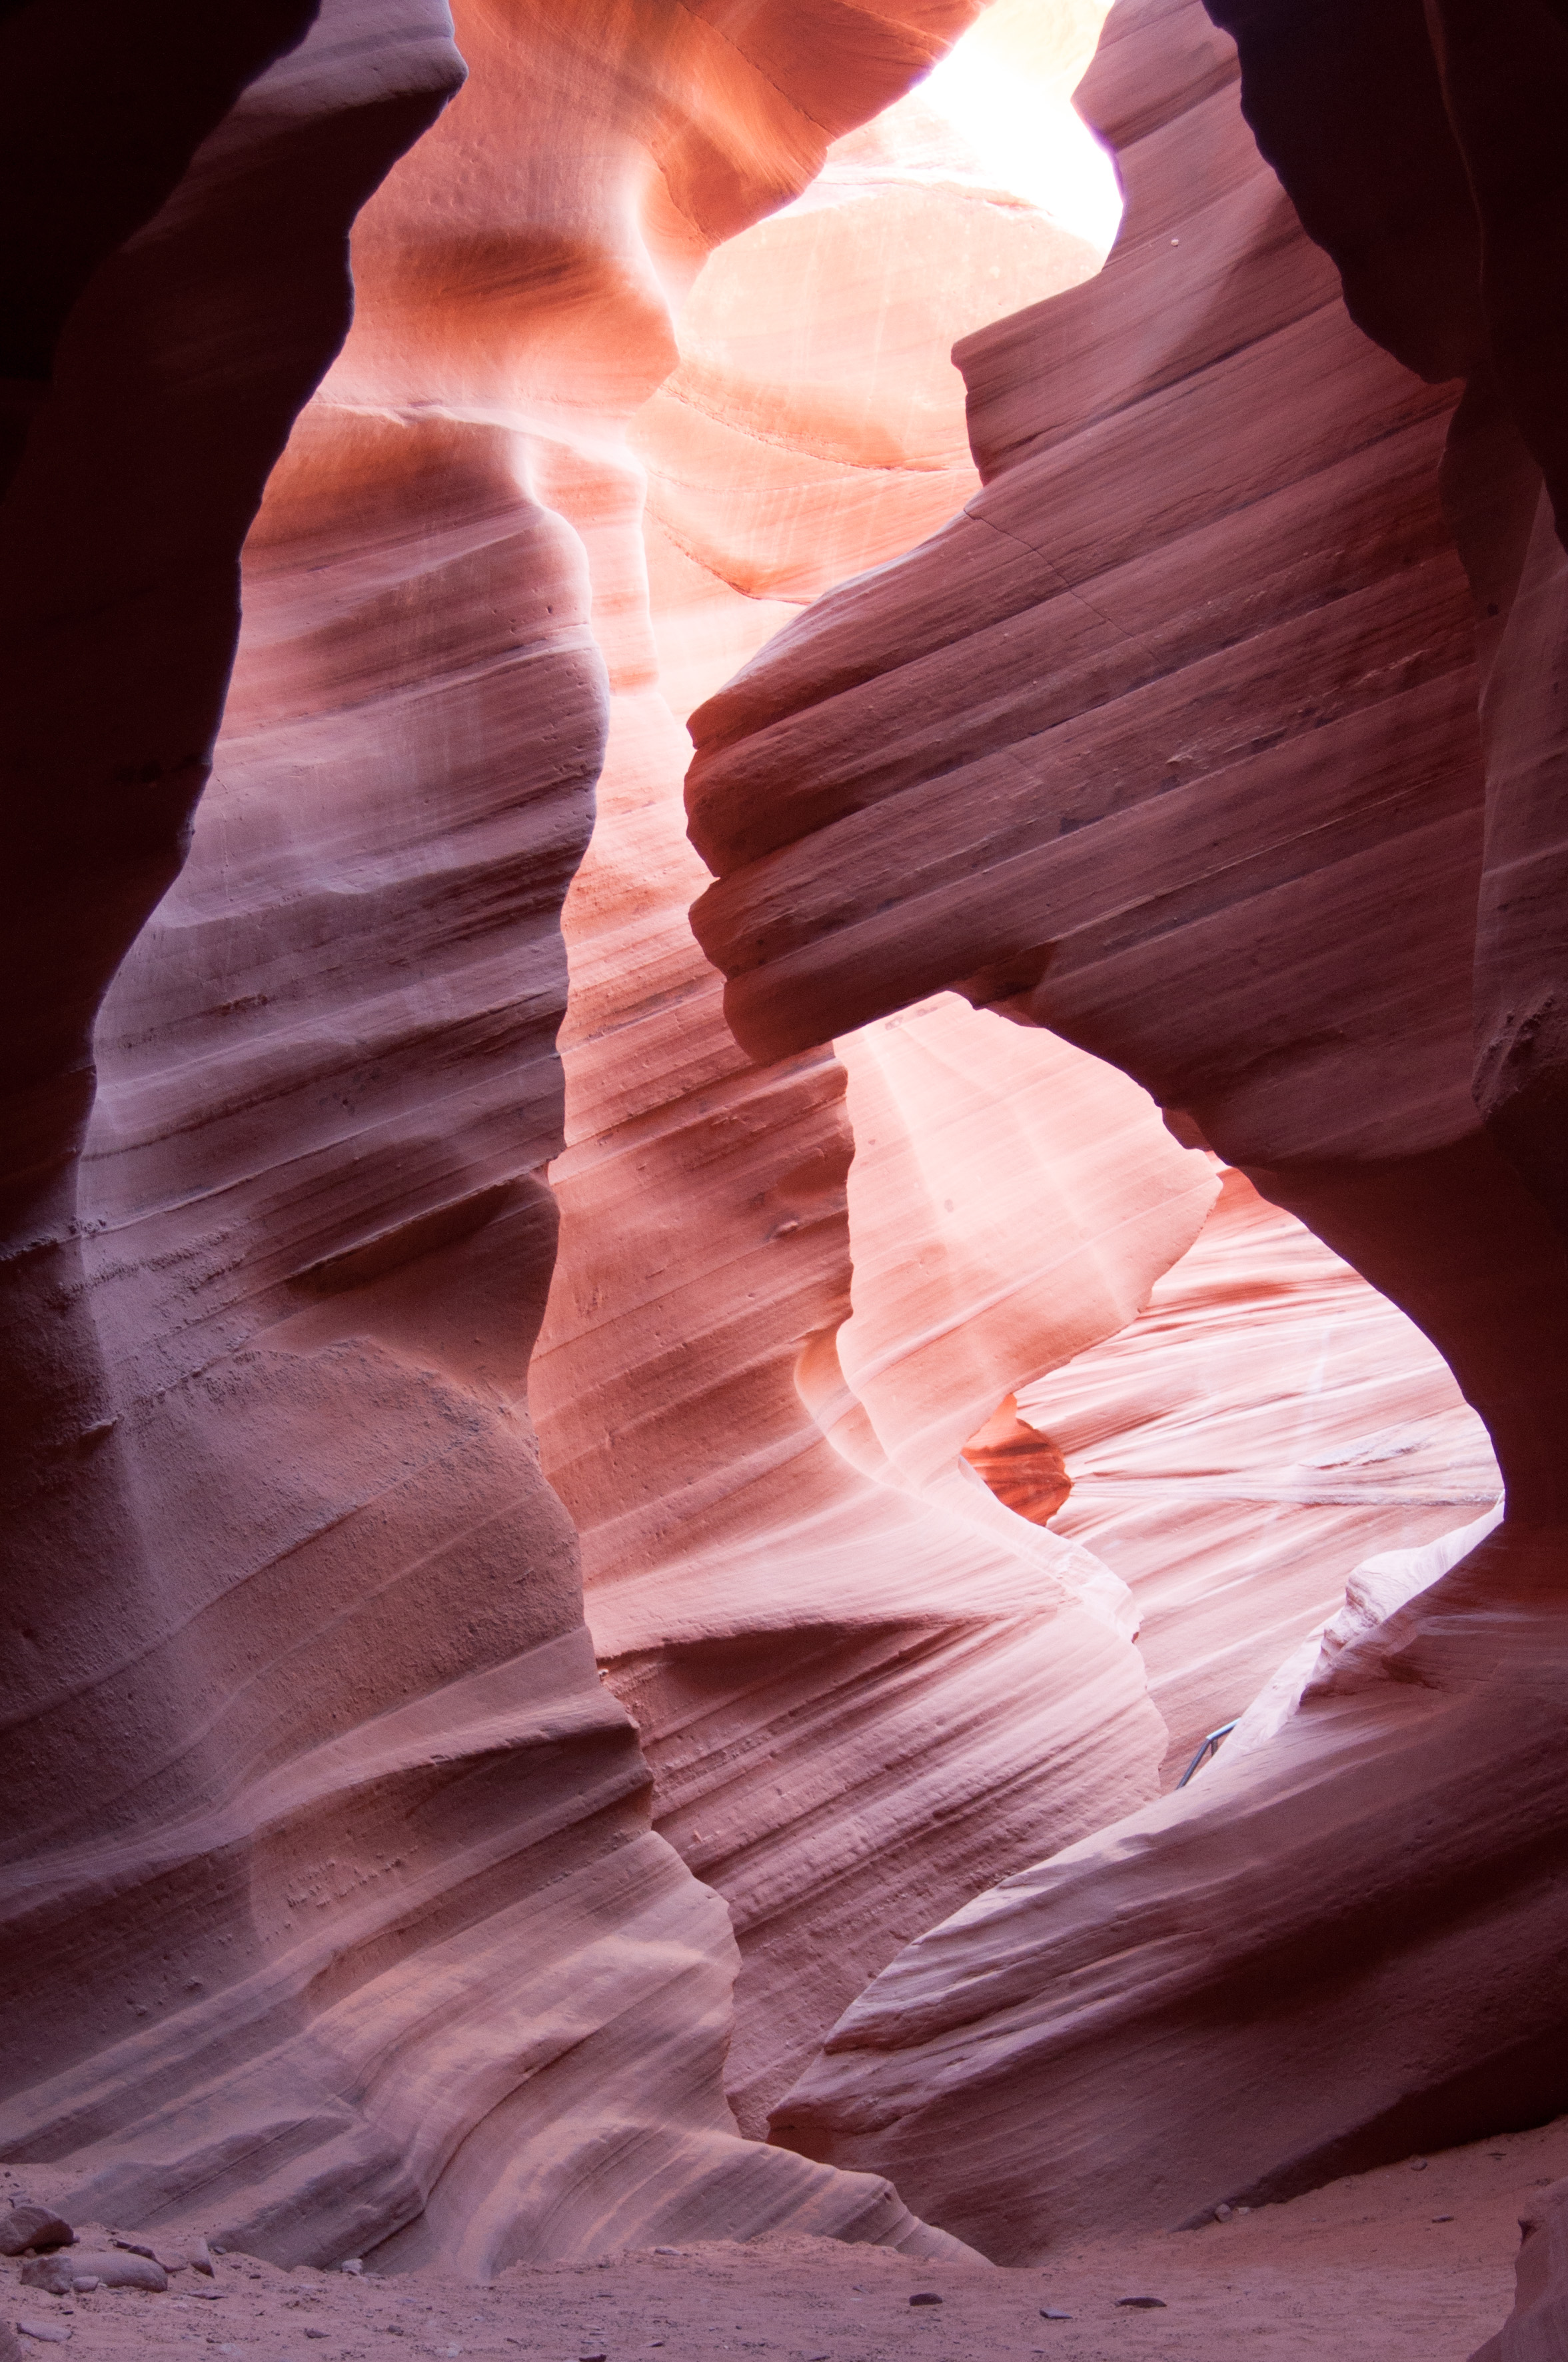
(1169, 744)
(860, 1705)
(1267, 1424)
(864, 1689)
(1537, 2329)
(335, 1919)
(337, 1915)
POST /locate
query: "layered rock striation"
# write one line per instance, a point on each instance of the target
(349, 1908)
(336, 1921)
(1169, 744)
(786, 1297)
(1264, 1427)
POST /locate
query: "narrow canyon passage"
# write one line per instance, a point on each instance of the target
(786, 1111)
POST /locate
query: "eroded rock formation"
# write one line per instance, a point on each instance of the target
(833, 1639)
(1266, 1426)
(334, 1910)
(345, 1914)
(1169, 744)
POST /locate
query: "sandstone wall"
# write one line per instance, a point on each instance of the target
(1169, 744)
(864, 1690)
(335, 1919)
(346, 1911)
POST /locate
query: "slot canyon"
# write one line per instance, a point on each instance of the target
(784, 1388)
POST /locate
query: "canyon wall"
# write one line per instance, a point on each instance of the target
(336, 1921)
(1169, 744)
(863, 1687)
(350, 1904)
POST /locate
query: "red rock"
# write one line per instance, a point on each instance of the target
(328, 1847)
(325, 1755)
(1168, 744)
(1023, 1468)
(831, 1636)
(1266, 1424)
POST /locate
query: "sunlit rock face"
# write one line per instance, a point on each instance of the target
(863, 1687)
(1169, 745)
(350, 1909)
(1269, 1423)
(335, 1919)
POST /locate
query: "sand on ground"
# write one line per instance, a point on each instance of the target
(1404, 2262)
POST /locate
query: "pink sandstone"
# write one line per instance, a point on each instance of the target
(1168, 744)
(337, 1919)
(345, 1914)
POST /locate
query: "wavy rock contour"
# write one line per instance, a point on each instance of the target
(865, 1689)
(335, 1919)
(1169, 744)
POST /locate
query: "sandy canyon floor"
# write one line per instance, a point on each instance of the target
(1408, 2261)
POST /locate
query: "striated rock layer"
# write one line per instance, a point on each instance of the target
(863, 1687)
(334, 1918)
(861, 1704)
(1264, 1425)
(1169, 744)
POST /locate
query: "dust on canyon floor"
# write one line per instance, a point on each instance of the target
(1401, 2262)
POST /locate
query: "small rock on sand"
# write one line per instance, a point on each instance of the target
(32, 2227)
(54, 2274)
(118, 2269)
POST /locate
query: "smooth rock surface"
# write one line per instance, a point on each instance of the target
(326, 1844)
(26, 2230)
(1170, 745)
(863, 1688)
(1267, 1425)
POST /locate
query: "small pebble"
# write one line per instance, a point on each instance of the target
(352, 2264)
(1046, 2314)
(1223, 2213)
(44, 2331)
(1144, 2304)
(1443, 2218)
(1418, 2165)
(318, 2332)
(926, 2296)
